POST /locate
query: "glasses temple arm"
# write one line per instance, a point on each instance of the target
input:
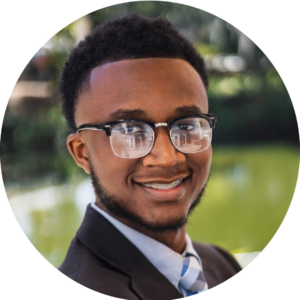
(90, 127)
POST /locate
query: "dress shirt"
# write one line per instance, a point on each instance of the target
(168, 262)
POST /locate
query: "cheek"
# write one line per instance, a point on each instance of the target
(200, 164)
(101, 156)
(112, 171)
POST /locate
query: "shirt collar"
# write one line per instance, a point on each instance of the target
(168, 262)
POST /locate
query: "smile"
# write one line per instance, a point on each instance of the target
(161, 186)
(164, 190)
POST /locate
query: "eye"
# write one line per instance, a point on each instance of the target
(186, 127)
(133, 129)
(128, 128)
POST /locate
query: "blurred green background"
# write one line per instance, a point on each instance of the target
(256, 142)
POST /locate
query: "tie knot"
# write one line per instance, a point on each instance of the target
(192, 277)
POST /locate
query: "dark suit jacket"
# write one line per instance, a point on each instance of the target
(102, 259)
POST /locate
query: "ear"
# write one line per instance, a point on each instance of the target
(78, 149)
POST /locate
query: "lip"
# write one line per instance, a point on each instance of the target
(173, 194)
(161, 180)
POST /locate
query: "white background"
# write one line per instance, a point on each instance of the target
(27, 25)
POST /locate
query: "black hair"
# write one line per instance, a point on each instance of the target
(128, 37)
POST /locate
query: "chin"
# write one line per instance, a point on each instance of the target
(160, 224)
(163, 218)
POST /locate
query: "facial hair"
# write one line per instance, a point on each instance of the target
(118, 210)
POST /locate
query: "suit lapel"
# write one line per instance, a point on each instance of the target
(209, 273)
(104, 240)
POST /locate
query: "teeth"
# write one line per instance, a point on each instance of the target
(161, 186)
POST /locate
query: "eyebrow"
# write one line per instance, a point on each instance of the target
(188, 110)
(128, 114)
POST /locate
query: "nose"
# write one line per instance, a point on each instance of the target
(163, 153)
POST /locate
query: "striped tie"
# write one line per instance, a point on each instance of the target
(192, 277)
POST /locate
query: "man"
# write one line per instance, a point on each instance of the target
(134, 93)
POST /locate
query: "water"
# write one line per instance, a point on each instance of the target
(247, 197)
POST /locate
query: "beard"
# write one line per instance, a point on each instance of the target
(116, 208)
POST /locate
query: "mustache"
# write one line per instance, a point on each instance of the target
(167, 173)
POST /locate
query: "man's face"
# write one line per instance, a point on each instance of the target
(155, 90)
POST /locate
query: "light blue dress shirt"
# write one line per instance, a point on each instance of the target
(168, 262)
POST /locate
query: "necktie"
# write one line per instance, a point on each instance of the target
(192, 277)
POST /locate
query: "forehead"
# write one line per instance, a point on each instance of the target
(156, 87)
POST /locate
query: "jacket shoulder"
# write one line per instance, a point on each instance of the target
(86, 268)
(218, 264)
(71, 264)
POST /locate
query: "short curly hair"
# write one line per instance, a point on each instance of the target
(128, 37)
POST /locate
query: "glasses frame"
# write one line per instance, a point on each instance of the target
(108, 126)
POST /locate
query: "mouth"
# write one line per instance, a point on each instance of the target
(164, 190)
(162, 186)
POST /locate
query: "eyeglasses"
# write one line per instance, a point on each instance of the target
(135, 138)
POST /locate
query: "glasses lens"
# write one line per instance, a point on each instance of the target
(131, 139)
(191, 135)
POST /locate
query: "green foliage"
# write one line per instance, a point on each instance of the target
(253, 105)
(34, 148)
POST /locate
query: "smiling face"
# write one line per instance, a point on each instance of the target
(157, 190)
